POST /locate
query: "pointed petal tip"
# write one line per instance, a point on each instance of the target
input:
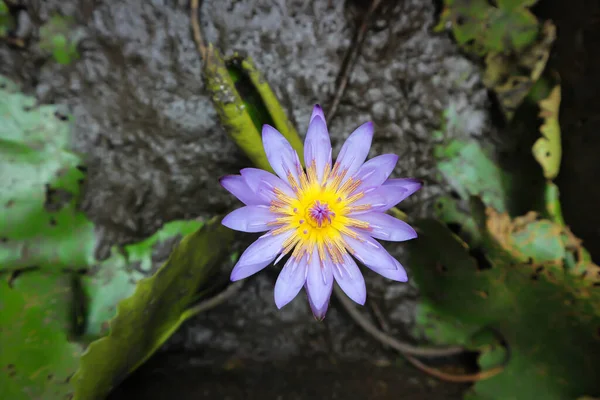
(268, 131)
(319, 313)
(319, 318)
(226, 221)
(317, 112)
(235, 276)
(225, 180)
(367, 130)
(279, 304)
(416, 182)
(402, 276)
(236, 185)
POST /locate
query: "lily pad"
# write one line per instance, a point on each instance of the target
(116, 278)
(155, 310)
(39, 221)
(37, 358)
(442, 329)
(526, 294)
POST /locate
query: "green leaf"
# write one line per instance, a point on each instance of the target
(116, 278)
(481, 27)
(36, 357)
(244, 102)
(155, 310)
(548, 315)
(469, 169)
(39, 221)
(515, 46)
(547, 150)
(510, 30)
(442, 329)
(513, 77)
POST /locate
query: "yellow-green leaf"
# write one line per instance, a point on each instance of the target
(547, 150)
(244, 102)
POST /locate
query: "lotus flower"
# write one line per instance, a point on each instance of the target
(323, 217)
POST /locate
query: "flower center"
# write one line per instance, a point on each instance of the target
(319, 215)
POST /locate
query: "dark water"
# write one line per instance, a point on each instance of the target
(154, 150)
(295, 379)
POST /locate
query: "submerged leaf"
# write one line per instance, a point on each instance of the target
(37, 358)
(155, 310)
(39, 221)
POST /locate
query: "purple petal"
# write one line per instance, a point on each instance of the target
(318, 312)
(385, 227)
(350, 280)
(369, 252)
(264, 183)
(319, 281)
(259, 254)
(375, 171)
(317, 112)
(282, 157)
(381, 199)
(317, 146)
(356, 148)
(250, 219)
(237, 186)
(409, 184)
(290, 280)
(398, 274)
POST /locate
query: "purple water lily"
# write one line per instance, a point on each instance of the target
(322, 217)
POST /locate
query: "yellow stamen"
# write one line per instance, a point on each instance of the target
(318, 215)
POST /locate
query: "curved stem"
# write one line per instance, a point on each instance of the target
(402, 347)
(350, 59)
(479, 376)
(197, 32)
(409, 351)
(214, 301)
